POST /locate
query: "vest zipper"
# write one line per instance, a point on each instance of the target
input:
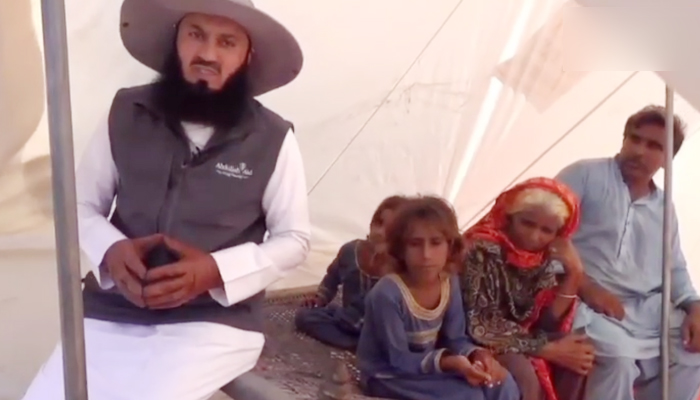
(167, 213)
(174, 198)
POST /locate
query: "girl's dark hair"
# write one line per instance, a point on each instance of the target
(390, 203)
(428, 209)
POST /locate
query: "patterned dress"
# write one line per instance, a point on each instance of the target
(501, 300)
(401, 345)
(339, 325)
(506, 310)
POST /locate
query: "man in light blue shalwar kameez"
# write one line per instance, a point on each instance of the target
(620, 244)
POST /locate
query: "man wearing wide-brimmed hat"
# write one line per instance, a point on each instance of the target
(201, 172)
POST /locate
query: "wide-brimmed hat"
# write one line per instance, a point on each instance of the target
(148, 29)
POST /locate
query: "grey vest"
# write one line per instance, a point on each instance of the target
(211, 201)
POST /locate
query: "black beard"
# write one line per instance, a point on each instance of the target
(182, 101)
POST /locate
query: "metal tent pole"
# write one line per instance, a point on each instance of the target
(667, 249)
(64, 200)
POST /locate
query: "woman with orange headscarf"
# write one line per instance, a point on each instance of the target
(514, 302)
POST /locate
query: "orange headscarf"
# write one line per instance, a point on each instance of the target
(492, 226)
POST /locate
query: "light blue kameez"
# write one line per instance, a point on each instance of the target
(620, 244)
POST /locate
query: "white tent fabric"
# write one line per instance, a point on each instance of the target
(455, 98)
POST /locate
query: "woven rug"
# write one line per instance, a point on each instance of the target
(296, 363)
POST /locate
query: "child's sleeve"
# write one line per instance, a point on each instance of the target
(328, 287)
(454, 327)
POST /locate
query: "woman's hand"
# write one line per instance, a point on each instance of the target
(602, 301)
(474, 375)
(574, 352)
(483, 359)
(565, 252)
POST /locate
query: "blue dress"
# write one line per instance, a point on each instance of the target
(401, 345)
(339, 325)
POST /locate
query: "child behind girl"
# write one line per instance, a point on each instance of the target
(357, 267)
(413, 344)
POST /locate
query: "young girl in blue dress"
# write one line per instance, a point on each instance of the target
(413, 344)
(356, 269)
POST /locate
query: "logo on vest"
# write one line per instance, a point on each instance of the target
(240, 171)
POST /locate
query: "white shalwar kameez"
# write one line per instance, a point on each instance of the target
(184, 361)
